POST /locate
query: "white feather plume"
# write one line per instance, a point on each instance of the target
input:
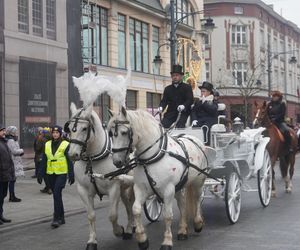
(91, 86)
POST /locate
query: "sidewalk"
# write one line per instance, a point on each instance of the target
(37, 207)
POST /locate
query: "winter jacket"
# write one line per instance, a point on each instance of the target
(276, 111)
(38, 146)
(205, 112)
(7, 171)
(16, 153)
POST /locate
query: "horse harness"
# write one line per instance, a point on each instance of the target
(163, 140)
(104, 153)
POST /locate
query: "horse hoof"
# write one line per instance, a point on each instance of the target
(127, 236)
(166, 247)
(182, 237)
(91, 246)
(288, 190)
(144, 245)
(122, 232)
(198, 230)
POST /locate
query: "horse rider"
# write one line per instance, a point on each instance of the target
(276, 110)
(178, 97)
(205, 110)
(57, 166)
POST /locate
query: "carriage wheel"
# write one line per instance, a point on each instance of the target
(264, 180)
(152, 208)
(233, 197)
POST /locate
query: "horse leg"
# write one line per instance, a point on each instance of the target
(168, 217)
(141, 236)
(181, 203)
(127, 197)
(273, 161)
(291, 172)
(88, 200)
(114, 197)
(194, 192)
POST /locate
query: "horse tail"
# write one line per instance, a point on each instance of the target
(191, 202)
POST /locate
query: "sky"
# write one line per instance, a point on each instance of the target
(289, 9)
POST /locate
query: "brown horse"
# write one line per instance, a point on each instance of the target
(277, 147)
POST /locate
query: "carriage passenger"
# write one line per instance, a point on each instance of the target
(205, 110)
(276, 110)
(178, 97)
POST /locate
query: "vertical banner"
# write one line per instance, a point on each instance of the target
(37, 98)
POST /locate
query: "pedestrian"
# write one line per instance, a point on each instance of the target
(57, 166)
(178, 97)
(45, 136)
(36, 150)
(16, 153)
(205, 110)
(7, 172)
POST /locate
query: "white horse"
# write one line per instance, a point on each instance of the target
(90, 149)
(163, 165)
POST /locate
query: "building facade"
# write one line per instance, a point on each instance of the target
(34, 65)
(251, 53)
(120, 34)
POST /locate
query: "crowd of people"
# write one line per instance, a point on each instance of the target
(52, 165)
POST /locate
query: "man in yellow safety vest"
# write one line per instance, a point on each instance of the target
(57, 166)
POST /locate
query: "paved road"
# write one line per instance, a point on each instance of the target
(272, 228)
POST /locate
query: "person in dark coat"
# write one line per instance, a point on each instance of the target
(178, 97)
(7, 172)
(57, 166)
(276, 110)
(205, 110)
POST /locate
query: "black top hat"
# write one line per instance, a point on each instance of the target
(177, 69)
(208, 86)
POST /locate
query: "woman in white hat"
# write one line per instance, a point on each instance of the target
(16, 153)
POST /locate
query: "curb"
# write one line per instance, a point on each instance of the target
(6, 227)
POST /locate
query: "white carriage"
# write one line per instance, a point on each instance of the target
(241, 156)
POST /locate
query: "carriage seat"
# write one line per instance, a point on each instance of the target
(219, 128)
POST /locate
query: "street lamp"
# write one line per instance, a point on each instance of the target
(271, 56)
(208, 25)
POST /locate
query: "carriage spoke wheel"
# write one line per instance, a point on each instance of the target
(264, 180)
(152, 208)
(233, 197)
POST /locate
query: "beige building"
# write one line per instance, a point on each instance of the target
(34, 89)
(131, 34)
(252, 51)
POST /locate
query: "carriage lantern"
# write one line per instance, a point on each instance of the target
(237, 126)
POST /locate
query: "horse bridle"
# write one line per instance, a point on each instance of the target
(128, 149)
(90, 128)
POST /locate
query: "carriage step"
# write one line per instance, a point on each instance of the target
(209, 181)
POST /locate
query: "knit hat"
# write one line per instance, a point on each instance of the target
(57, 128)
(11, 130)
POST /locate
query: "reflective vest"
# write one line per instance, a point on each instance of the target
(57, 163)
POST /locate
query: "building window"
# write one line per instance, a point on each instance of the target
(182, 8)
(131, 99)
(139, 45)
(155, 45)
(207, 71)
(240, 73)
(121, 41)
(95, 35)
(51, 19)
(23, 16)
(153, 101)
(238, 10)
(37, 17)
(238, 35)
(262, 39)
(101, 106)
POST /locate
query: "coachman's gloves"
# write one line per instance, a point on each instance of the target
(160, 109)
(180, 108)
(194, 123)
